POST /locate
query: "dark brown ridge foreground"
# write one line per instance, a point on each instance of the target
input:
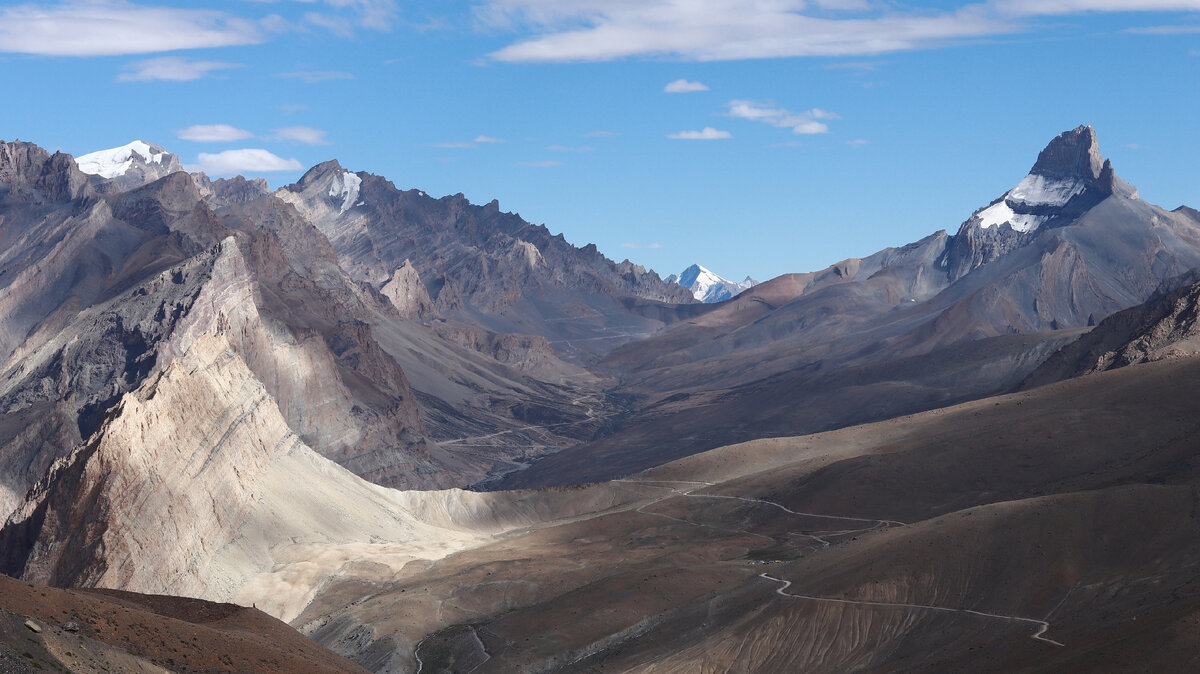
(49, 629)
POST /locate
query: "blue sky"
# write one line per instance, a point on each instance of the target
(756, 137)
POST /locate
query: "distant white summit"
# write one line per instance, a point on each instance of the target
(130, 166)
(118, 160)
(709, 287)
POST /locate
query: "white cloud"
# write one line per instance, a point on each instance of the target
(1035, 7)
(708, 30)
(540, 164)
(312, 76)
(113, 27)
(301, 134)
(214, 133)
(802, 123)
(568, 148)
(171, 69)
(249, 160)
(682, 86)
(291, 108)
(600, 134)
(488, 139)
(858, 141)
(641, 245)
(707, 133)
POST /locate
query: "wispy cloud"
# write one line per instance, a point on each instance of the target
(213, 133)
(540, 164)
(858, 141)
(682, 86)
(1036, 7)
(568, 148)
(291, 108)
(605, 30)
(641, 245)
(600, 134)
(171, 69)
(1187, 29)
(802, 123)
(301, 134)
(314, 76)
(861, 66)
(707, 133)
(114, 27)
(469, 144)
(248, 160)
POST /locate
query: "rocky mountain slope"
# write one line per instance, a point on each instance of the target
(942, 320)
(1164, 328)
(104, 288)
(479, 265)
(92, 631)
(708, 287)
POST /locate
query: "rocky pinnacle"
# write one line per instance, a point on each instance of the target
(1071, 155)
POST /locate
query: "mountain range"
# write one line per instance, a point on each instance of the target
(277, 397)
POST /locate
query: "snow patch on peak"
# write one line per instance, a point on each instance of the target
(1000, 212)
(346, 186)
(1036, 190)
(116, 161)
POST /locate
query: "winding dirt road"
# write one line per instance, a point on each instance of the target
(1043, 626)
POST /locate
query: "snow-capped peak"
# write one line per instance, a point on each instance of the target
(707, 286)
(346, 186)
(118, 160)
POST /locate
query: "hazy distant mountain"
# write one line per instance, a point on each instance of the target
(708, 287)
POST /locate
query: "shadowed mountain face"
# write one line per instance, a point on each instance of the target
(480, 265)
(936, 322)
(1166, 327)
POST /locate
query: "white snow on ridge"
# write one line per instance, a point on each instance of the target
(1037, 190)
(704, 282)
(346, 186)
(115, 162)
(999, 213)
(1034, 190)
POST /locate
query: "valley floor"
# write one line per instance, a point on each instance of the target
(1042, 530)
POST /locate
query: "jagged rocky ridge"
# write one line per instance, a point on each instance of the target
(479, 265)
(104, 287)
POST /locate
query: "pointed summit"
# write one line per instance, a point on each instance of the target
(1072, 155)
(317, 172)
